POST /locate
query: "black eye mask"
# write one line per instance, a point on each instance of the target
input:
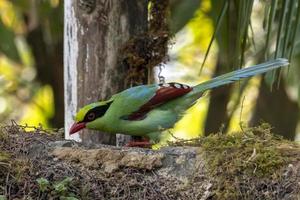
(96, 112)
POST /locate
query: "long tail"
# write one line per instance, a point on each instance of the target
(182, 103)
(240, 74)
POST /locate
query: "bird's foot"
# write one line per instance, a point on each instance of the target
(141, 144)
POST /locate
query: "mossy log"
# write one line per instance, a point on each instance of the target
(252, 164)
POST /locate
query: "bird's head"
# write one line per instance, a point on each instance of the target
(87, 115)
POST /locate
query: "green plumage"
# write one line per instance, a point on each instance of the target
(164, 115)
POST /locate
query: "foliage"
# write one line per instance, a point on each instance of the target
(60, 188)
(233, 34)
(181, 13)
(43, 184)
(18, 75)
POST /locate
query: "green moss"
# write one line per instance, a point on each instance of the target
(242, 156)
(237, 159)
(254, 154)
(145, 51)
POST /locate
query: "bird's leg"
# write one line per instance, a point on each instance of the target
(143, 143)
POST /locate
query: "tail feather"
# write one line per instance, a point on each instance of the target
(240, 74)
(182, 103)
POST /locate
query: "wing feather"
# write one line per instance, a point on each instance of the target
(152, 96)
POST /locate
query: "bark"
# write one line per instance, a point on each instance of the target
(95, 31)
(276, 108)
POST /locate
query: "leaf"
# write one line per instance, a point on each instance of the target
(271, 16)
(294, 34)
(62, 186)
(181, 12)
(7, 43)
(218, 25)
(43, 184)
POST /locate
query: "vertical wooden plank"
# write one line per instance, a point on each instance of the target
(70, 63)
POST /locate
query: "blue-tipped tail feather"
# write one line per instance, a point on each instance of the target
(240, 74)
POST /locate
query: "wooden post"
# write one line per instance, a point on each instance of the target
(95, 30)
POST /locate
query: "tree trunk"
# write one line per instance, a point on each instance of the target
(227, 61)
(48, 59)
(217, 110)
(94, 33)
(277, 109)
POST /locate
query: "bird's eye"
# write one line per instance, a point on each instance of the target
(91, 116)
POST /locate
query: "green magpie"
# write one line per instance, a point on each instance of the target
(147, 110)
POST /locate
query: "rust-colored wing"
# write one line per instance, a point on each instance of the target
(164, 93)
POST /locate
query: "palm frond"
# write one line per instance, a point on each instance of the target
(219, 23)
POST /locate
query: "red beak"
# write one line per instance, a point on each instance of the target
(76, 127)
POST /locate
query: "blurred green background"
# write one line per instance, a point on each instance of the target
(237, 34)
(31, 62)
